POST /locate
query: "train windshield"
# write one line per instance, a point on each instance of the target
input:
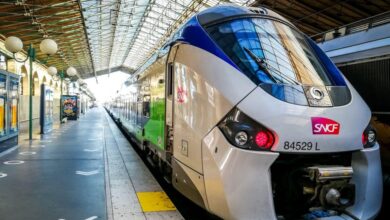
(269, 51)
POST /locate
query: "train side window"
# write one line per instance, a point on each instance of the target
(128, 109)
(134, 108)
(139, 110)
(146, 106)
(170, 79)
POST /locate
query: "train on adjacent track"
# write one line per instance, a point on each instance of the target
(248, 118)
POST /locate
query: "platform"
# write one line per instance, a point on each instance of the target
(83, 169)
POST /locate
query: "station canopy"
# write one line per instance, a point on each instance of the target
(34, 20)
(126, 33)
(101, 36)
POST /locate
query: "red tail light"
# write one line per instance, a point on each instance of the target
(264, 139)
(364, 138)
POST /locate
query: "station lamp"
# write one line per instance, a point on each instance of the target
(52, 71)
(71, 71)
(15, 45)
(48, 46)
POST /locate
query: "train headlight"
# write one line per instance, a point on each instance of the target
(241, 138)
(244, 132)
(369, 137)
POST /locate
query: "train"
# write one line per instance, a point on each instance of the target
(248, 118)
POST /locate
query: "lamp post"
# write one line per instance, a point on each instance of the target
(14, 45)
(61, 75)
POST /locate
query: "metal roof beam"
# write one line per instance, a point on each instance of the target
(113, 69)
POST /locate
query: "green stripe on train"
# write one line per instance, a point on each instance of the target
(154, 128)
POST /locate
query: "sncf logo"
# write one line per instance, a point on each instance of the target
(324, 126)
(181, 95)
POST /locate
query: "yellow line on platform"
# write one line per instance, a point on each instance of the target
(155, 202)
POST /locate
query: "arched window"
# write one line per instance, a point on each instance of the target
(35, 84)
(24, 88)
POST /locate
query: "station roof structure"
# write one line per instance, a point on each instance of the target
(127, 32)
(320, 16)
(101, 36)
(34, 20)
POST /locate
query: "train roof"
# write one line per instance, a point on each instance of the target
(222, 13)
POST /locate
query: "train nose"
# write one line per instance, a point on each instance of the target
(305, 129)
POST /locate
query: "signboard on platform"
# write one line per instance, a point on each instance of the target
(69, 107)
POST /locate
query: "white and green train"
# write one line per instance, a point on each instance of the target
(249, 119)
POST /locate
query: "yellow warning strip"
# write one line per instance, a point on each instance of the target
(155, 202)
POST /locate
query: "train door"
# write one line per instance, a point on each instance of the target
(169, 102)
(184, 179)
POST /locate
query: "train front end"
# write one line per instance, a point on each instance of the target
(299, 144)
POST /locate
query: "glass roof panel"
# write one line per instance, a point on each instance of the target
(128, 32)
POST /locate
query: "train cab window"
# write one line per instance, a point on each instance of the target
(269, 51)
(281, 60)
(170, 80)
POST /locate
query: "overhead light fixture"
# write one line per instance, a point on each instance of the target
(13, 44)
(48, 46)
(71, 71)
(52, 71)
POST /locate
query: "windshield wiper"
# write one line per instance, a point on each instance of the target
(264, 67)
(260, 63)
(284, 75)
